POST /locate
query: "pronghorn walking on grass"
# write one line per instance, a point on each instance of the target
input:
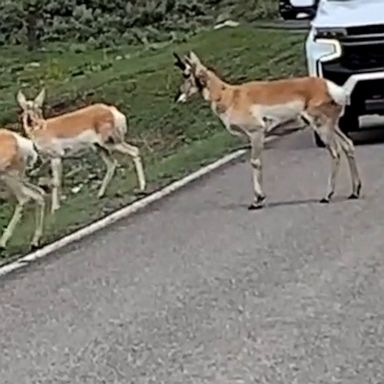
(99, 126)
(259, 108)
(16, 155)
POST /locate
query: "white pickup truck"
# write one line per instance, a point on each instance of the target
(346, 45)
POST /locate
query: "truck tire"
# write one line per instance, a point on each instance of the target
(288, 15)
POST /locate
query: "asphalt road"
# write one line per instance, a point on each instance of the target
(197, 289)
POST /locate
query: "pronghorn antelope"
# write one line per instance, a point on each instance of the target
(16, 155)
(97, 126)
(260, 108)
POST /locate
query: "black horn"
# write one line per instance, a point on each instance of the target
(179, 62)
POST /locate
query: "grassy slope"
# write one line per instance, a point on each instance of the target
(175, 139)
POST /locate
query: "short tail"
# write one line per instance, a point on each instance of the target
(121, 125)
(339, 94)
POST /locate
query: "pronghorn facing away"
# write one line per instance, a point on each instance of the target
(98, 126)
(16, 154)
(259, 108)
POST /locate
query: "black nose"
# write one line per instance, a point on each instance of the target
(29, 121)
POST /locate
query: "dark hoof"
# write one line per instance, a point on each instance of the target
(140, 193)
(34, 247)
(324, 200)
(258, 204)
(253, 206)
(355, 195)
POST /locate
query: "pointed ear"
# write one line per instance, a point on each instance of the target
(194, 60)
(39, 100)
(21, 99)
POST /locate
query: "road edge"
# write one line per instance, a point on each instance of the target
(119, 214)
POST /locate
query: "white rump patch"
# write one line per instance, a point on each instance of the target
(338, 94)
(120, 120)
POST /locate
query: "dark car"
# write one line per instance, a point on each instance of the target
(290, 9)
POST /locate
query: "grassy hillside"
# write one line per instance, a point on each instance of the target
(175, 139)
(103, 23)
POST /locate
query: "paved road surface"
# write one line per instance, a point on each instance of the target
(199, 290)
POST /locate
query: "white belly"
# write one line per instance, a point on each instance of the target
(84, 140)
(69, 145)
(278, 113)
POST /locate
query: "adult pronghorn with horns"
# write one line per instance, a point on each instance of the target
(99, 126)
(259, 108)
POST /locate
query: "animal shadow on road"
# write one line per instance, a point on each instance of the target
(277, 204)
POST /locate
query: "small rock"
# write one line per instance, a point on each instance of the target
(34, 64)
(76, 189)
(228, 23)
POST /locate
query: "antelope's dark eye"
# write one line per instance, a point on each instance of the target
(199, 84)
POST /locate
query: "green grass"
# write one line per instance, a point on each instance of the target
(174, 139)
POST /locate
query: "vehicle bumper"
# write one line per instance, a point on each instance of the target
(365, 87)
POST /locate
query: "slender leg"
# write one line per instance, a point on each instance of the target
(38, 195)
(8, 232)
(111, 167)
(15, 185)
(332, 143)
(349, 150)
(134, 152)
(24, 191)
(257, 145)
(56, 167)
(334, 150)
